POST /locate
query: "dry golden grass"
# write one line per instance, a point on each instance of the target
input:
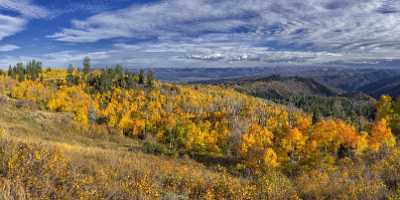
(49, 156)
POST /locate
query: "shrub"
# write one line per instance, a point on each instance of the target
(350, 182)
(156, 148)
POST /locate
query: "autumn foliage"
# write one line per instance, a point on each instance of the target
(205, 119)
(210, 120)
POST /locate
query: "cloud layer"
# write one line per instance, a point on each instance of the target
(345, 24)
(227, 32)
(345, 28)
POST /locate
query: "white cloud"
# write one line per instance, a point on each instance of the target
(8, 47)
(10, 25)
(24, 7)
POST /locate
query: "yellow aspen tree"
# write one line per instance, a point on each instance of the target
(302, 122)
(381, 135)
(384, 108)
(256, 148)
(71, 99)
(293, 144)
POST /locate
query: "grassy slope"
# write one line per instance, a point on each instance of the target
(47, 155)
(107, 161)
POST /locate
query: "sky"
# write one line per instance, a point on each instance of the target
(200, 33)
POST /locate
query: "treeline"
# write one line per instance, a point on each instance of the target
(102, 80)
(117, 77)
(31, 71)
(346, 108)
(355, 108)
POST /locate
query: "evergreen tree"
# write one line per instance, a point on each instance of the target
(20, 72)
(86, 65)
(150, 78)
(119, 71)
(14, 72)
(141, 77)
(33, 70)
(10, 71)
(130, 79)
(120, 76)
(70, 75)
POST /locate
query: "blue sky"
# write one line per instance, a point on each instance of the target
(200, 33)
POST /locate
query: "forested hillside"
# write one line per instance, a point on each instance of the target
(115, 134)
(306, 94)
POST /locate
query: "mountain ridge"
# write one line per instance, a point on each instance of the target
(387, 86)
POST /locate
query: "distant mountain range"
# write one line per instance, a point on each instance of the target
(351, 80)
(388, 86)
(276, 86)
(340, 80)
